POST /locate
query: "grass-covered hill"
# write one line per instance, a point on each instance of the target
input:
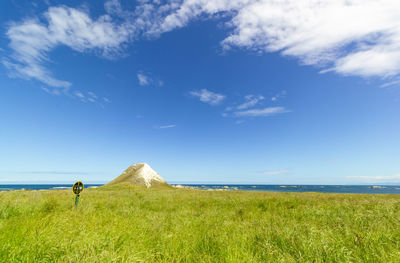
(133, 224)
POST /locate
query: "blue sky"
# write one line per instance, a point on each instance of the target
(204, 91)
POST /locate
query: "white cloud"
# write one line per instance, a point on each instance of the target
(247, 109)
(147, 80)
(91, 94)
(350, 37)
(376, 178)
(33, 39)
(276, 172)
(143, 79)
(261, 112)
(88, 97)
(209, 97)
(250, 101)
(79, 95)
(167, 126)
(92, 97)
(395, 82)
(52, 91)
(280, 95)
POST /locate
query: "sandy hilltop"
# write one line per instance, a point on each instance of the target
(140, 174)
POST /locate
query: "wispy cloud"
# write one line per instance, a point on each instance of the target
(394, 178)
(53, 91)
(209, 97)
(32, 39)
(146, 80)
(279, 95)
(269, 111)
(395, 82)
(246, 109)
(276, 172)
(79, 95)
(167, 126)
(349, 37)
(250, 101)
(143, 79)
(90, 97)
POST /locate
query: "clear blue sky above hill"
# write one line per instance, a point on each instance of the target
(204, 91)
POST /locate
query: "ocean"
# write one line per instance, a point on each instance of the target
(354, 189)
(11, 187)
(349, 189)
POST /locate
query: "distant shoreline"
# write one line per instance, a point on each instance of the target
(345, 189)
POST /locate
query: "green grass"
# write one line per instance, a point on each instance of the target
(130, 224)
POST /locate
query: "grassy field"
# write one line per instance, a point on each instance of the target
(128, 224)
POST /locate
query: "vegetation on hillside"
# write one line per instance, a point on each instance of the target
(132, 224)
